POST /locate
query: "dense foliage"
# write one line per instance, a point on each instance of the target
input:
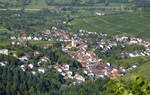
(21, 21)
(16, 82)
(88, 88)
(134, 86)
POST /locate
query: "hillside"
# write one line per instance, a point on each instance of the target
(143, 65)
(142, 70)
(137, 23)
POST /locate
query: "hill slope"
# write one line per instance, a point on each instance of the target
(142, 68)
(137, 24)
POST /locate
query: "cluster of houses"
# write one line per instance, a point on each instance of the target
(100, 13)
(101, 70)
(137, 41)
(52, 34)
(57, 34)
(4, 51)
(132, 40)
(142, 53)
(65, 71)
(106, 45)
(92, 65)
(39, 65)
(24, 61)
(4, 63)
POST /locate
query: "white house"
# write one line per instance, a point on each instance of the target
(30, 66)
(69, 73)
(79, 78)
(2, 64)
(66, 67)
(59, 70)
(24, 58)
(4, 51)
(100, 14)
(13, 38)
(29, 38)
(33, 72)
(42, 70)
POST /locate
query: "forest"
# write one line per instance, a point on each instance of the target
(16, 82)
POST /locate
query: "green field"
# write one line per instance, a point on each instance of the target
(136, 23)
(38, 4)
(41, 43)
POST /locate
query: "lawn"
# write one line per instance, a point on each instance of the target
(135, 23)
(41, 43)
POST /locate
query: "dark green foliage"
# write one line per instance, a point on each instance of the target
(20, 21)
(16, 82)
(10, 59)
(73, 49)
(134, 86)
(87, 88)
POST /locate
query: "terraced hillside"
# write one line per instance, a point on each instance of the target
(137, 23)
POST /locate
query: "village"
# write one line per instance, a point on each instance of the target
(79, 45)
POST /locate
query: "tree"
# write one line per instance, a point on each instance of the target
(136, 86)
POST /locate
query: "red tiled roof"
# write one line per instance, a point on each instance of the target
(96, 70)
(84, 65)
(24, 35)
(69, 45)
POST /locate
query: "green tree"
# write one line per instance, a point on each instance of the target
(135, 86)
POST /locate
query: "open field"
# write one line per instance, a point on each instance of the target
(137, 24)
(41, 43)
